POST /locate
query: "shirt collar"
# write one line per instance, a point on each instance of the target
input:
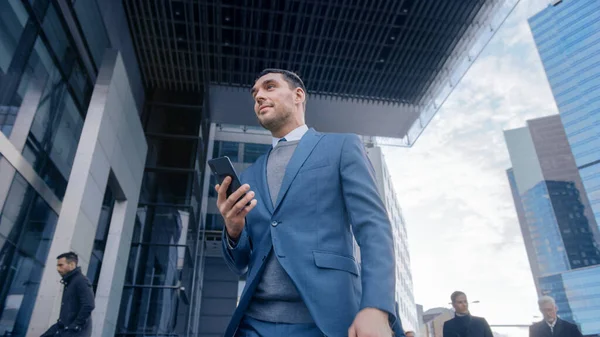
(296, 134)
(551, 325)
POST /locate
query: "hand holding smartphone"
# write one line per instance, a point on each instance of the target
(222, 168)
(234, 211)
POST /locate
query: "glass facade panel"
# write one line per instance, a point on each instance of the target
(591, 179)
(577, 235)
(167, 187)
(229, 149)
(543, 226)
(253, 151)
(95, 266)
(20, 64)
(165, 258)
(160, 271)
(90, 19)
(172, 120)
(167, 151)
(577, 295)
(568, 40)
(26, 229)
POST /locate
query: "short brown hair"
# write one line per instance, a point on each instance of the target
(456, 294)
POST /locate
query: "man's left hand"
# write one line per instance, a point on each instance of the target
(370, 322)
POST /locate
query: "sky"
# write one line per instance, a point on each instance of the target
(462, 226)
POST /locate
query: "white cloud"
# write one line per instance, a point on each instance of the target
(452, 184)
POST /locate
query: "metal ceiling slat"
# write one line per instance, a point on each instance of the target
(400, 58)
(165, 21)
(136, 41)
(269, 42)
(369, 85)
(362, 9)
(371, 54)
(337, 48)
(421, 88)
(254, 67)
(189, 57)
(342, 56)
(177, 53)
(157, 54)
(369, 25)
(415, 58)
(245, 62)
(206, 68)
(141, 29)
(340, 77)
(195, 67)
(311, 25)
(308, 78)
(348, 82)
(219, 38)
(164, 54)
(395, 64)
(331, 55)
(286, 20)
(300, 20)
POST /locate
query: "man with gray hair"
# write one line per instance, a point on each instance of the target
(552, 326)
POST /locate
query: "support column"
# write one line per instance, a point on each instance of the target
(112, 144)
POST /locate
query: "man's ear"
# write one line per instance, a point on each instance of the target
(300, 95)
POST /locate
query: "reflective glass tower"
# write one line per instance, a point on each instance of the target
(567, 36)
(559, 229)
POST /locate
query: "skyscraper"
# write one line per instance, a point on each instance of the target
(405, 298)
(567, 36)
(559, 230)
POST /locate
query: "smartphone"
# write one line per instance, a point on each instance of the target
(222, 168)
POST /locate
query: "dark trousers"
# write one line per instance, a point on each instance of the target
(250, 327)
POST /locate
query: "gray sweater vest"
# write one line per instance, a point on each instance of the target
(276, 298)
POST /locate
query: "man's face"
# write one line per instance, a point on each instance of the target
(409, 334)
(64, 267)
(461, 305)
(549, 311)
(274, 101)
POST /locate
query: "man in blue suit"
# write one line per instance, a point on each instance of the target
(293, 231)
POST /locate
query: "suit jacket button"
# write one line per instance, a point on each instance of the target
(274, 223)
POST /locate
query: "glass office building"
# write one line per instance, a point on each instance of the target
(106, 110)
(567, 36)
(559, 229)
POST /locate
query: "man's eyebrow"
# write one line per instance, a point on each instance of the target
(253, 90)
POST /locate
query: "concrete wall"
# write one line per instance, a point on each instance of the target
(111, 152)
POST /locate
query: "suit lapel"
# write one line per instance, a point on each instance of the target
(263, 184)
(304, 149)
(557, 328)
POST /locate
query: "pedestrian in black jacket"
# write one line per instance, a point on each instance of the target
(463, 324)
(552, 326)
(75, 318)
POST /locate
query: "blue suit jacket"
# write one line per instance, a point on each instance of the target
(328, 195)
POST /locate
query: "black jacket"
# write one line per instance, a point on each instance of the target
(561, 329)
(467, 326)
(76, 308)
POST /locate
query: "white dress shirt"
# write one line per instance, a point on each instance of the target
(296, 134)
